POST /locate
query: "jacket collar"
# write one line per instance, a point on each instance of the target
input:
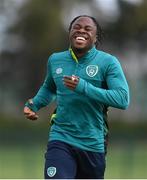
(86, 58)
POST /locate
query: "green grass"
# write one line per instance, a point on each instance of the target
(23, 143)
(27, 162)
(127, 162)
(21, 162)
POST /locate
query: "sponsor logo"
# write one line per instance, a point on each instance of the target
(92, 70)
(59, 70)
(51, 171)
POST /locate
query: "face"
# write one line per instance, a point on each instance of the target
(82, 35)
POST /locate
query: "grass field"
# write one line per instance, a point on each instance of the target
(127, 162)
(23, 162)
(22, 147)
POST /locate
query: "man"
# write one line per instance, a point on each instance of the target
(86, 82)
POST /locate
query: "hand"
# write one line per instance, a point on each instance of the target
(71, 81)
(29, 114)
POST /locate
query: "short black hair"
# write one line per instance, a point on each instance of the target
(99, 33)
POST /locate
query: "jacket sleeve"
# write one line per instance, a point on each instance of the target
(117, 94)
(46, 93)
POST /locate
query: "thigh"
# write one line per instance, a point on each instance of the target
(59, 162)
(91, 165)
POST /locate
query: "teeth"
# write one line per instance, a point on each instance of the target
(80, 38)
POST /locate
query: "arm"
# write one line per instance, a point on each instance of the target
(117, 94)
(43, 97)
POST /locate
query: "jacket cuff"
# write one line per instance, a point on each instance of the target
(31, 106)
(80, 86)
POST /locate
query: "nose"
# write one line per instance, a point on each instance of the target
(82, 30)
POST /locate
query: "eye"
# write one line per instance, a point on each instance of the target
(88, 28)
(76, 26)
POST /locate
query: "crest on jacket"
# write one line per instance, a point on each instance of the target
(92, 70)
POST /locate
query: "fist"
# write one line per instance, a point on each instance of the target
(29, 114)
(71, 81)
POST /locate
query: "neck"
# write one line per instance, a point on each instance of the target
(79, 52)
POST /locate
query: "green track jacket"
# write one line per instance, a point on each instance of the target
(81, 113)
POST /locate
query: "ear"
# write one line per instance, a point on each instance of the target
(95, 39)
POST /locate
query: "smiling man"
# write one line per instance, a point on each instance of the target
(86, 82)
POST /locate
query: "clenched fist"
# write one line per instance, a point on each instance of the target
(29, 114)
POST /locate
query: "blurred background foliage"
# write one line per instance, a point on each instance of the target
(30, 31)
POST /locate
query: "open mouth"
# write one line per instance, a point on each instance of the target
(80, 39)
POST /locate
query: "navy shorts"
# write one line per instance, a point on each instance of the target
(63, 161)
